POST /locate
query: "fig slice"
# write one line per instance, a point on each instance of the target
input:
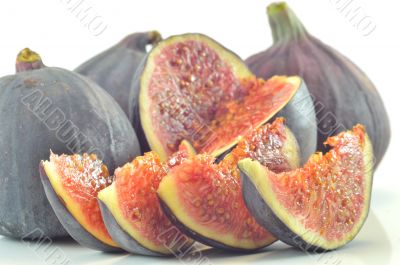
(193, 88)
(131, 209)
(71, 184)
(204, 199)
(321, 206)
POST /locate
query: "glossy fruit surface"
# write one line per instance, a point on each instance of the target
(71, 183)
(321, 206)
(205, 201)
(132, 211)
(193, 88)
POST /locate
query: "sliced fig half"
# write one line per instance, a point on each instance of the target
(193, 88)
(204, 199)
(71, 184)
(132, 211)
(321, 206)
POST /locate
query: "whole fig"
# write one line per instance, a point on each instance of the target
(343, 95)
(114, 68)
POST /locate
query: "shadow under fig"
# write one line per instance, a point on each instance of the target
(371, 239)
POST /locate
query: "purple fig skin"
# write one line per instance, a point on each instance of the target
(133, 113)
(300, 117)
(52, 108)
(121, 237)
(114, 68)
(343, 95)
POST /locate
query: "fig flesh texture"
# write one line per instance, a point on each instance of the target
(43, 108)
(321, 206)
(114, 68)
(193, 88)
(71, 183)
(342, 93)
(205, 201)
(131, 209)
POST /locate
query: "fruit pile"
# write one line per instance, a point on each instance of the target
(151, 152)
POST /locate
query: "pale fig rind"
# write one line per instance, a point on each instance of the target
(201, 238)
(266, 217)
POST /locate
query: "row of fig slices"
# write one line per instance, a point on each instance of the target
(158, 208)
(124, 211)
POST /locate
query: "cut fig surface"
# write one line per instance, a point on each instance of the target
(193, 88)
(204, 199)
(321, 206)
(71, 183)
(273, 145)
(132, 211)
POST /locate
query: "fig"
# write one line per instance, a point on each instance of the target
(343, 95)
(204, 199)
(43, 108)
(192, 88)
(71, 183)
(321, 206)
(131, 209)
(114, 68)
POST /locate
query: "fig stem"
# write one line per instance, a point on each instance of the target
(28, 60)
(140, 40)
(284, 23)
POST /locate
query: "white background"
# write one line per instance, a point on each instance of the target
(53, 30)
